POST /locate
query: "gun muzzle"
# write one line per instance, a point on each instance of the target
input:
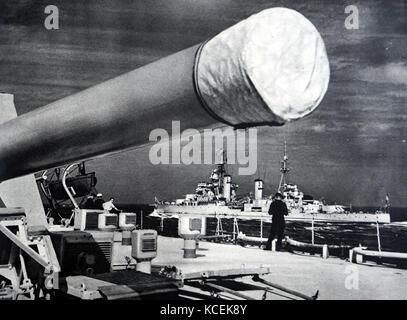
(266, 70)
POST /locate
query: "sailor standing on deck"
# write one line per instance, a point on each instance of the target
(109, 207)
(278, 210)
(99, 201)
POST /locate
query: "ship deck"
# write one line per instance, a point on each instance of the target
(334, 278)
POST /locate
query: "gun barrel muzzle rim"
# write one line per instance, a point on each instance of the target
(266, 70)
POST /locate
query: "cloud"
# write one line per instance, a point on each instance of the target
(319, 128)
(394, 72)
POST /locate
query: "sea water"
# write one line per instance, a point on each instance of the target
(392, 237)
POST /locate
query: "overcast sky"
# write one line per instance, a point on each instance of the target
(351, 149)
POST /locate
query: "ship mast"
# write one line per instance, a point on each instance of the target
(222, 164)
(221, 170)
(284, 169)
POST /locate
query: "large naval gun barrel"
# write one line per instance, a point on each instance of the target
(266, 70)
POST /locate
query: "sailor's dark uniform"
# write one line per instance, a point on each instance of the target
(278, 210)
(98, 204)
(89, 204)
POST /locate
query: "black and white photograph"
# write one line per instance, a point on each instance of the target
(203, 150)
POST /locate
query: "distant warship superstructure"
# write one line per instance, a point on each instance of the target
(218, 198)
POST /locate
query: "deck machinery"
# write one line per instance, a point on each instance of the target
(266, 70)
(39, 262)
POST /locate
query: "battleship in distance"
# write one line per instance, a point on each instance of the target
(217, 198)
